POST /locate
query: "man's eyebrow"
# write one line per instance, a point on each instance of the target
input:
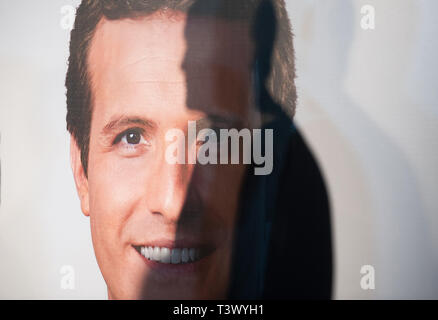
(124, 121)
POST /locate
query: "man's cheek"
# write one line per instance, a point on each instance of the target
(110, 203)
(121, 175)
(214, 179)
(226, 184)
(113, 194)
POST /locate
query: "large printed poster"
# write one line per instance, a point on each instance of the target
(218, 149)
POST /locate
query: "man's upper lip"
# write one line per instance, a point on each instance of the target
(168, 243)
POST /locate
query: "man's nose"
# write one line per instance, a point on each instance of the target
(168, 190)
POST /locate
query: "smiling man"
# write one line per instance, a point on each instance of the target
(139, 69)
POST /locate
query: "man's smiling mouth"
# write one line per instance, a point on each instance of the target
(172, 255)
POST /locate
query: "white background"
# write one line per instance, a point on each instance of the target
(368, 107)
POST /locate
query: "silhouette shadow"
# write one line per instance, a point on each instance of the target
(281, 246)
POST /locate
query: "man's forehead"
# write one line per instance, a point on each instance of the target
(146, 43)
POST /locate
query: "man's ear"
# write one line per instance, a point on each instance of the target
(79, 176)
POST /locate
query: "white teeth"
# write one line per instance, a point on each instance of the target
(165, 255)
(147, 253)
(157, 254)
(185, 255)
(175, 255)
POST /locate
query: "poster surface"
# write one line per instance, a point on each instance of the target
(205, 149)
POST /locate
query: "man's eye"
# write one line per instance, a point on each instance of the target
(202, 140)
(131, 137)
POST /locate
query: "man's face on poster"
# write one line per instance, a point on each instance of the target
(150, 75)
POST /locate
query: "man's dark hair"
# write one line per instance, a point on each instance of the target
(280, 83)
